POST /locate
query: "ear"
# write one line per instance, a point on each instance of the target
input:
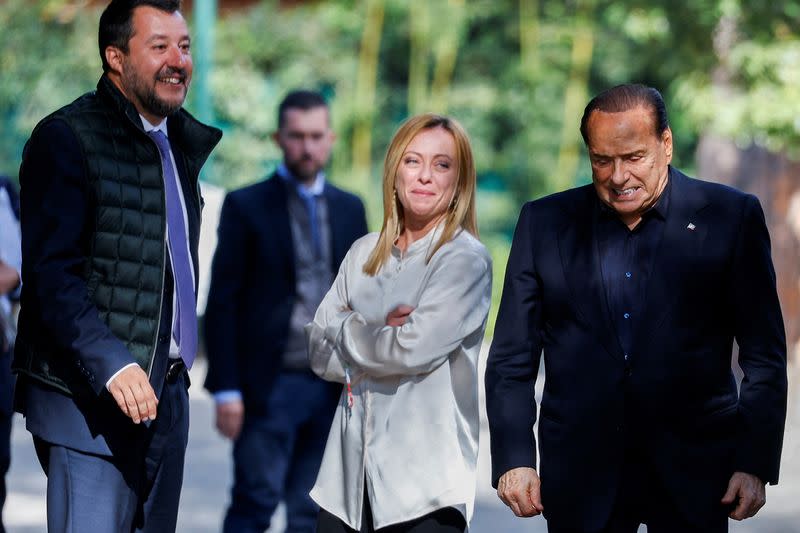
(276, 137)
(114, 58)
(666, 138)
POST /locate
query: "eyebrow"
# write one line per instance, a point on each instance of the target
(160, 36)
(627, 154)
(407, 152)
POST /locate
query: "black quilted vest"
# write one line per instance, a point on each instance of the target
(125, 267)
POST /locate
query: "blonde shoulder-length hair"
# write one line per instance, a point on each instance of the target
(460, 212)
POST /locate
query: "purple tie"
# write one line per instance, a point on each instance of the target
(186, 320)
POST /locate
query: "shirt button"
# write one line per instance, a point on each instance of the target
(628, 274)
(627, 315)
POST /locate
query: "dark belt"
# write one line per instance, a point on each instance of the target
(176, 369)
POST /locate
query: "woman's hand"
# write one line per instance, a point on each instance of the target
(398, 316)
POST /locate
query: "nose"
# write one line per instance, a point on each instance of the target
(177, 57)
(619, 175)
(425, 173)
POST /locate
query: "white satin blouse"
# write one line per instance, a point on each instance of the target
(412, 430)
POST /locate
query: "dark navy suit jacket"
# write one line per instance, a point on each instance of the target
(675, 398)
(252, 291)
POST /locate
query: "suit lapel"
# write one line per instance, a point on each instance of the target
(276, 208)
(580, 260)
(682, 240)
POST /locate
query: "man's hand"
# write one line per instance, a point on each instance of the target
(398, 316)
(9, 278)
(135, 397)
(230, 416)
(519, 488)
(750, 492)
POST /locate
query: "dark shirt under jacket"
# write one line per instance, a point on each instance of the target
(626, 259)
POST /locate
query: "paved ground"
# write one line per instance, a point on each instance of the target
(208, 477)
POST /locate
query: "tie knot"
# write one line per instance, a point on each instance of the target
(161, 140)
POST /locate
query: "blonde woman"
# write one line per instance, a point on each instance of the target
(401, 328)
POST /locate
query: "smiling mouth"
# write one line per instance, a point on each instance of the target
(171, 80)
(625, 193)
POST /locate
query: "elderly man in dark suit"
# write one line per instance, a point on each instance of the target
(107, 328)
(635, 288)
(280, 244)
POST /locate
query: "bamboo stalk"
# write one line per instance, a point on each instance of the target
(366, 82)
(575, 98)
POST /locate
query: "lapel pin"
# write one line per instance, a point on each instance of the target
(691, 227)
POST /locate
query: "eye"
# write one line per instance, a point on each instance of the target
(444, 165)
(410, 160)
(186, 48)
(600, 161)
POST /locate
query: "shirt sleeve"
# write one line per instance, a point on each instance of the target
(454, 305)
(323, 333)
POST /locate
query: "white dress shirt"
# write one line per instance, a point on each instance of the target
(412, 429)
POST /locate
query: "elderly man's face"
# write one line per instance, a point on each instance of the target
(629, 161)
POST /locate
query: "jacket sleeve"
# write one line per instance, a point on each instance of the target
(56, 226)
(762, 349)
(225, 292)
(454, 305)
(514, 357)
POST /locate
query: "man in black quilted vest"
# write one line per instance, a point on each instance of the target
(110, 227)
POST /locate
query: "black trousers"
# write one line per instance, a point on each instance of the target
(642, 499)
(447, 520)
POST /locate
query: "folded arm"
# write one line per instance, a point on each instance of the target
(454, 304)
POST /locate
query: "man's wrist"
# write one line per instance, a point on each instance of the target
(117, 373)
(227, 396)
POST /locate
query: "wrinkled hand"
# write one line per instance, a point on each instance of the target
(230, 416)
(519, 488)
(749, 490)
(135, 397)
(398, 316)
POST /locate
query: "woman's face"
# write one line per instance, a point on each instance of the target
(427, 177)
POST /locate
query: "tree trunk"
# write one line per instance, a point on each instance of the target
(775, 180)
(575, 98)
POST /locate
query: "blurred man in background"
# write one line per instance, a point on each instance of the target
(280, 244)
(10, 268)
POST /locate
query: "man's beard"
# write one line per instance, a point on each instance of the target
(146, 93)
(303, 175)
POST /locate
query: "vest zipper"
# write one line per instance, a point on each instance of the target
(163, 271)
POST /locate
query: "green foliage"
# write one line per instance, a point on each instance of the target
(48, 57)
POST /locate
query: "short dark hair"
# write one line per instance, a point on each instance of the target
(299, 99)
(116, 23)
(624, 98)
